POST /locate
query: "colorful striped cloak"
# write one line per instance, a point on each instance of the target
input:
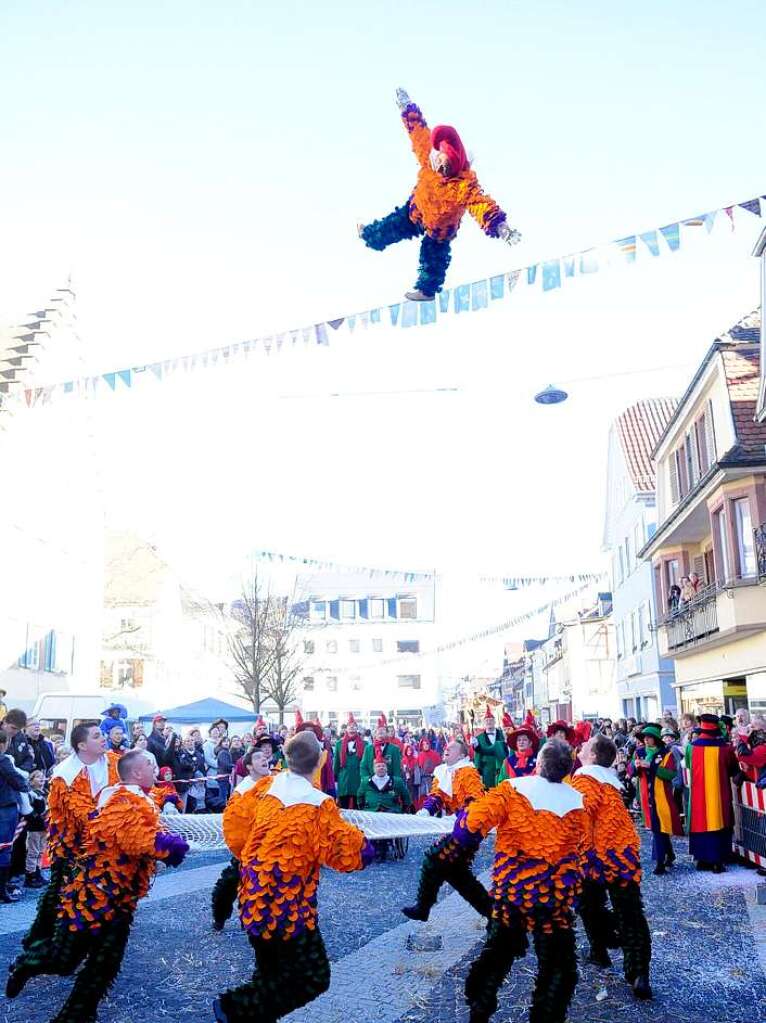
(711, 763)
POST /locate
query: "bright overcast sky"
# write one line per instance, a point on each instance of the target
(200, 168)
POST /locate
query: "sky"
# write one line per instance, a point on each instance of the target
(200, 169)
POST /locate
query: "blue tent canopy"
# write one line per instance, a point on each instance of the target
(203, 712)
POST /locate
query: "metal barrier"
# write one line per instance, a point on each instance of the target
(749, 838)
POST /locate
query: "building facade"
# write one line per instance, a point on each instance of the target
(711, 504)
(161, 641)
(361, 647)
(51, 512)
(644, 679)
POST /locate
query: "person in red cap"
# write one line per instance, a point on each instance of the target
(382, 746)
(490, 751)
(446, 187)
(711, 762)
(347, 764)
(522, 756)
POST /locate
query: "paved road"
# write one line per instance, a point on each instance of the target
(387, 970)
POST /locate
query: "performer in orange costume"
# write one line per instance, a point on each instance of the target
(123, 841)
(456, 784)
(446, 187)
(612, 867)
(236, 821)
(294, 829)
(74, 788)
(541, 835)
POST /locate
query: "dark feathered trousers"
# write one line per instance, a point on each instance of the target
(434, 255)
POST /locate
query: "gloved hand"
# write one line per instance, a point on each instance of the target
(402, 98)
(508, 234)
(175, 847)
(422, 812)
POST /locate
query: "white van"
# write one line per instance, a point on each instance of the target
(60, 712)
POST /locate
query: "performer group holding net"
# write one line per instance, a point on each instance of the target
(557, 846)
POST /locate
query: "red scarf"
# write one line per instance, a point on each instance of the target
(344, 747)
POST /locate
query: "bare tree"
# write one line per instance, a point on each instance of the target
(286, 662)
(250, 643)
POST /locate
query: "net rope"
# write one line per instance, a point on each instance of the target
(204, 832)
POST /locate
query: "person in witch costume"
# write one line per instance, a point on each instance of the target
(382, 746)
(74, 788)
(656, 768)
(123, 842)
(612, 869)
(295, 829)
(489, 751)
(236, 821)
(522, 757)
(347, 763)
(446, 187)
(536, 878)
(456, 784)
(711, 763)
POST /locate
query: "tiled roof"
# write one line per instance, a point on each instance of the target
(740, 353)
(639, 428)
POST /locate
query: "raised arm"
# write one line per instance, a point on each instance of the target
(417, 129)
(488, 215)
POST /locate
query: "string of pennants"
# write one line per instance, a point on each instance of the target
(510, 582)
(546, 275)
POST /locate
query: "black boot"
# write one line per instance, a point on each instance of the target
(659, 870)
(8, 892)
(40, 878)
(642, 988)
(18, 975)
(31, 881)
(600, 957)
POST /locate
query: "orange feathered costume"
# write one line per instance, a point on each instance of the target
(70, 804)
(466, 785)
(438, 202)
(613, 845)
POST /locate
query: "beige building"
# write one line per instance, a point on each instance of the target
(711, 504)
(161, 641)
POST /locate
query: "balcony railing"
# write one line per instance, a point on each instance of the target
(693, 620)
(760, 551)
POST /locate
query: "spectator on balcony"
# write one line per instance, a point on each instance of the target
(673, 598)
(695, 582)
(688, 593)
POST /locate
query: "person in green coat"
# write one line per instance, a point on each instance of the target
(385, 747)
(383, 794)
(490, 751)
(347, 765)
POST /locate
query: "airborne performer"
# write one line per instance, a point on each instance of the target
(456, 784)
(122, 843)
(446, 187)
(294, 830)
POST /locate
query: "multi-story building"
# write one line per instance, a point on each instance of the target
(578, 659)
(362, 645)
(161, 641)
(711, 499)
(51, 512)
(644, 679)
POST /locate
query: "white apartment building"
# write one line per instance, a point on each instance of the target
(361, 646)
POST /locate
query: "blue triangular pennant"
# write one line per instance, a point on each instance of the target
(410, 314)
(124, 375)
(444, 300)
(462, 296)
(531, 274)
(672, 235)
(651, 241)
(427, 312)
(479, 296)
(551, 274)
(394, 313)
(497, 286)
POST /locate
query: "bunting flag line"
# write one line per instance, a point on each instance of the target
(509, 582)
(547, 275)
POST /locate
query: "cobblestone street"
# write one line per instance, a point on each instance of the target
(385, 969)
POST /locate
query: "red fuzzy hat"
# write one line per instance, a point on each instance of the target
(351, 719)
(507, 720)
(489, 714)
(310, 726)
(561, 726)
(298, 718)
(380, 759)
(582, 731)
(382, 722)
(447, 141)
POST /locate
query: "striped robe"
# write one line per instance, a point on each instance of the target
(711, 764)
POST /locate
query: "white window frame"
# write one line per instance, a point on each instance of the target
(745, 542)
(315, 614)
(401, 602)
(377, 645)
(371, 607)
(400, 683)
(331, 683)
(354, 646)
(348, 609)
(332, 646)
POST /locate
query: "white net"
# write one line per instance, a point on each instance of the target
(204, 832)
